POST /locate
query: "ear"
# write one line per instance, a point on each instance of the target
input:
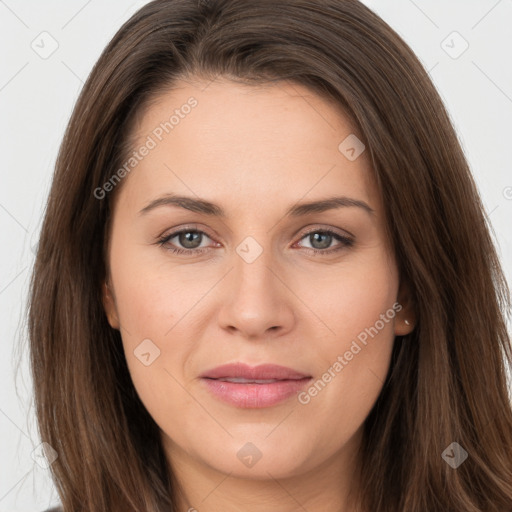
(406, 313)
(109, 305)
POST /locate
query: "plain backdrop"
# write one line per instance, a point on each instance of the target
(465, 45)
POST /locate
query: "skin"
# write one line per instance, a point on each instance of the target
(254, 151)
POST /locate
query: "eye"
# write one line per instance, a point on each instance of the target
(190, 240)
(321, 240)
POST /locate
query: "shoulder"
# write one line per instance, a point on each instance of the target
(54, 509)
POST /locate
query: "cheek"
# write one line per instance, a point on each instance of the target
(351, 375)
(357, 308)
(149, 307)
(350, 297)
(150, 297)
(156, 352)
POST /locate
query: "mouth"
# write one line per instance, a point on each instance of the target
(254, 387)
(249, 381)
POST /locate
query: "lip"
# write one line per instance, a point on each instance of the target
(260, 372)
(286, 383)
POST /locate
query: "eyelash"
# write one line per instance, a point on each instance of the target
(346, 242)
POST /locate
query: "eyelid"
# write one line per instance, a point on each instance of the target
(187, 227)
(315, 228)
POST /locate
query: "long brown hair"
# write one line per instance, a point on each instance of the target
(447, 379)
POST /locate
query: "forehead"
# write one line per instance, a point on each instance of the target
(229, 111)
(213, 138)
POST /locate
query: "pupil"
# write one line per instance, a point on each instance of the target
(323, 245)
(187, 239)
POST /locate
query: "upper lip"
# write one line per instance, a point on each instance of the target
(261, 372)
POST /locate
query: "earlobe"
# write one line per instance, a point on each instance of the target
(109, 306)
(405, 319)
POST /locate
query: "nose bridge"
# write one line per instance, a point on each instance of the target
(253, 262)
(256, 299)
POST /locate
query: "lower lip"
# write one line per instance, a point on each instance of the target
(253, 396)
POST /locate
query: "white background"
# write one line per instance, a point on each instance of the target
(36, 99)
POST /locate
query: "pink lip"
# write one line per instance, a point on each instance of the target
(254, 395)
(261, 372)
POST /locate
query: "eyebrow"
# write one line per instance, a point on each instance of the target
(297, 210)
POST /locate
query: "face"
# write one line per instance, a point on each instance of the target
(254, 277)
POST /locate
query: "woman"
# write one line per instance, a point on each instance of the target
(265, 278)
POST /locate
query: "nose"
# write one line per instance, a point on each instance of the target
(256, 300)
